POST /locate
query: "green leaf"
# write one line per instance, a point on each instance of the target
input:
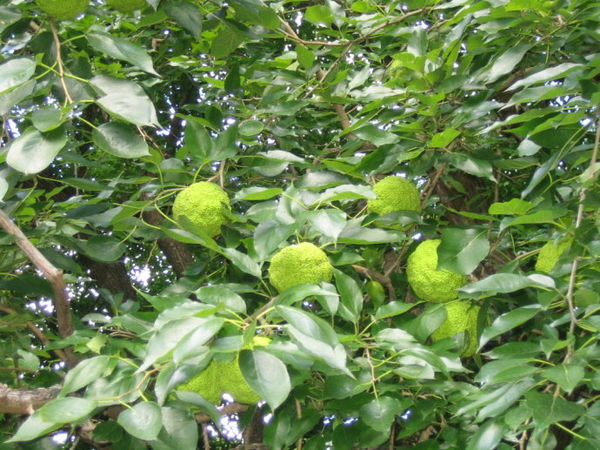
(180, 430)
(306, 58)
(392, 309)
(505, 63)
(474, 166)
(15, 72)
(33, 151)
(257, 193)
(120, 140)
(166, 339)
(243, 262)
(443, 139)
(515, 206)
(46, 119)
(33, 427)
(226, 41)
(219, 295)
(507, 282)
(544, 75)
(123, 49)
(319, 15)
(104, 248)
(125, 100)
(488, 436)
(543, 216)
(567, 376)
(143, 421)
(67, 410)
(381, 412)
(377, 136)
(266, 375)
(548, 409)
(462, 250)
(351, 296)
(508, 321)
(3, 188)
(268, 235)
(254, 11)
(84, 373)
(315, 336)
(329, 222)
(187, 15)
(251, 128)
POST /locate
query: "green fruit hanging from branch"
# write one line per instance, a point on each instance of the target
(126, 6)
(297, 264)
(63, 9)
(203, 206)
(426, 281)
(461, 317)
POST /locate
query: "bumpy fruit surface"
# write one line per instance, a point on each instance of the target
(205, 205)
(63, 9)
(549, 255)
(429, 284)
(222, 377)
(461, 317)
(394, 194)
(126, 6)
(297, 264)
(205, 384)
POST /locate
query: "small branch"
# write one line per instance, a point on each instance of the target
(299, 416)
(384, 280)
(578, 220)
(232, 408)
(59, 61)
(432, 184)
(52, 274)
(37, 332)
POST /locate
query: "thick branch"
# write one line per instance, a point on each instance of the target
(19, 401)
(178, 254)
(51, 273)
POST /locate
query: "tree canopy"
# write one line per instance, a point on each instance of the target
(113, 303)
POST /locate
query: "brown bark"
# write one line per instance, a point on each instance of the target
(178, 254)
(111, 276)
(22, 401)
(53, 275)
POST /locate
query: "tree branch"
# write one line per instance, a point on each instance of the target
(52, 274)
(21, 401)
(37, 332)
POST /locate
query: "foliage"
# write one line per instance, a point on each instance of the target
(296, 109)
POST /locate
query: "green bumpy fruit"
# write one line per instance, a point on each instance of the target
(297, 264)
(394, 194)
(222, 377)
(204, 205)
(126, 6)
(549, 255)
(461, 317)
(429, 284)
(206, 383)
(63, 9)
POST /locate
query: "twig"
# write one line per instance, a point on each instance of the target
(299, 416)
(205, 438)
(578, 220)
(232, 408)
(383, 279)
(432, 184)
(37, 332)
(53, 275)
(59, 61)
